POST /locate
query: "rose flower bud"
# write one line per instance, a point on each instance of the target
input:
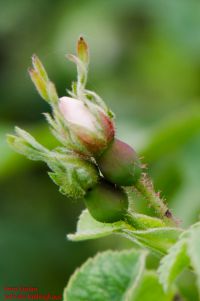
(106, 202)
(89, 122)
(119, 164)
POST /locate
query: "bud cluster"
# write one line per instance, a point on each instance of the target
(91, 163)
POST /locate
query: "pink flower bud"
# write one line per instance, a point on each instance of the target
(89, 123)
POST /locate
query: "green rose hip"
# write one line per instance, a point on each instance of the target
(106, 202)
(119, 164)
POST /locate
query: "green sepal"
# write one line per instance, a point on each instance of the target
(26, 145)
(39, 83)
(73, 175)
(70, 172)
(38, 66)
(82, 50)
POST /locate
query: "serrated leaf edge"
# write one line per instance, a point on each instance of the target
(129, 293)
(142, 257)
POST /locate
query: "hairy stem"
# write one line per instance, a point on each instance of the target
(145, 187)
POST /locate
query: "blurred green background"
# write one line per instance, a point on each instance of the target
(145, 63)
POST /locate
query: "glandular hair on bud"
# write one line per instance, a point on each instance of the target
(106, 202)
(119, 164)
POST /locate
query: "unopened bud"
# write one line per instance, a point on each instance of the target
(106, 202)
(89, 123)
(119, 164)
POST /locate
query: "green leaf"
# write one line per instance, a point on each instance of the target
(109, 276)
(150, 289)
(194, 250)
(158, 240)
(89, 228)
(142, 221)
(173, 263)
(185, 252)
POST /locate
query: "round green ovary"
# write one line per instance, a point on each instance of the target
(106, 202)
(119, 164)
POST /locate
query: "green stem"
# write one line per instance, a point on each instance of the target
(146, 189)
